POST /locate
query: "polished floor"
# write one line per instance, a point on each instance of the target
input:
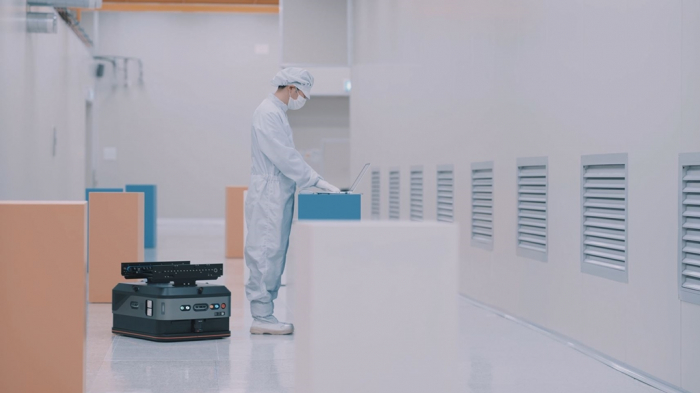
(496, 355)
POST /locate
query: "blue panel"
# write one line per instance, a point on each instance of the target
(330, 206)
(150, 196)
(150, 211)
(89, 190)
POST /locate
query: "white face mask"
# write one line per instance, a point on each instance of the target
(296, 104)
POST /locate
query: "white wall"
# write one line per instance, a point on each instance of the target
(465, 81)
(314, 32)
(44, 80)
(322, 134)
(187, 128)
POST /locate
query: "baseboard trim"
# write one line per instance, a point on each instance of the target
(635, 373)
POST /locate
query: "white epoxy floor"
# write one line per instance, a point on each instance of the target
(496, 355)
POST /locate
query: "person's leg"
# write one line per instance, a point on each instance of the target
(259, 221)
(268, 217)
(275, 282)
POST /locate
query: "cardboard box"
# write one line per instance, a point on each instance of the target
(235, 221)
(116, 236)
(91, 190)
(43, 277)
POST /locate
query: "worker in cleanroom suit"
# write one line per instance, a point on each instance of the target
(277, 169)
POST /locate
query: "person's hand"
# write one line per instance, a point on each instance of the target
(327, 187)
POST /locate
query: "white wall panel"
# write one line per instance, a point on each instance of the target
(691, 345)
(314, 32)
(44, 79)
(323, 126)
(330, 81)
(477, 80)
(187, 128)
(688, 139)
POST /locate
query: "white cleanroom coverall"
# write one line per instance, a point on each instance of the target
(277, 169)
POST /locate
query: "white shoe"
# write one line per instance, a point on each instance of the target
(260, 327)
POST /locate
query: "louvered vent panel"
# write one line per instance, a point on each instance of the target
(375, 194)
(532, 207)
(394, 189)
(416, 194)
(482, 204)
(690, 229)
(605, 216)
(445, 193)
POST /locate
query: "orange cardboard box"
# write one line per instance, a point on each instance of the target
(116, 236)
(43, 293)
(235, 221)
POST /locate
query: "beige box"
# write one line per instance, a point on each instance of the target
(235, 221)
(43, 295)
(116, 236)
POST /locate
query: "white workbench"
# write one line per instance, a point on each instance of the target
(374, 305)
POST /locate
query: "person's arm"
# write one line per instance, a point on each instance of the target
(269, 131)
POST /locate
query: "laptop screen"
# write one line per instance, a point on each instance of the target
(359, 178)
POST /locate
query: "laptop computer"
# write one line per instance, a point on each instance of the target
(352, 188)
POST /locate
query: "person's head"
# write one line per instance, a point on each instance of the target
(293, 84)
(284, 93)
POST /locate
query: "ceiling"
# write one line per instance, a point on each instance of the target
(235, 6)
(237, 2)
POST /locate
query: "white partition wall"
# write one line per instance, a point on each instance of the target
(314, 32)
(375, 306)
(45, 82)
(495, 80)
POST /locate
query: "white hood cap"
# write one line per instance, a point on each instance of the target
(293, 76)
